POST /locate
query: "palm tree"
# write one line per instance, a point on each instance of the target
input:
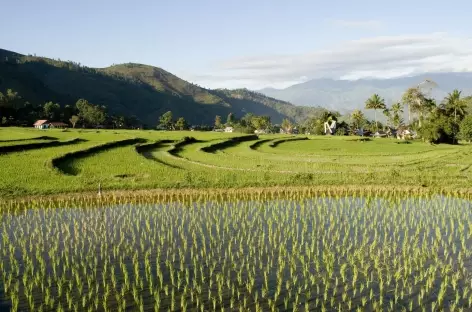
(375, 102)
(454, 102)
(397, 111)
(357, 118)
(397, 108)
(387, 113)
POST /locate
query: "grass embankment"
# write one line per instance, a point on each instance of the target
(280, 141)
(15, 141)
(212, 148)
(36, 145)
(223, 160)
(65, 163)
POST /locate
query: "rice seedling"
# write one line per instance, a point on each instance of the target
(258, 251)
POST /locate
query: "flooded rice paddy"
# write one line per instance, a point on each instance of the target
(299, 254)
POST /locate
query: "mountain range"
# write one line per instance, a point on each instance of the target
(135, 89)
(147, 92)
(347, 95)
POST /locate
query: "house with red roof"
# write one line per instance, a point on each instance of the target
(41, 124)
(45, 124)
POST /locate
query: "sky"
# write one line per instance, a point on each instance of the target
(248, 43)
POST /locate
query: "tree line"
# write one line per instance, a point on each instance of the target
(15, 111)
(247, 124)
(444, 122)
(447, 121)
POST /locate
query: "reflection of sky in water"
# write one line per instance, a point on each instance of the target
(266, 232)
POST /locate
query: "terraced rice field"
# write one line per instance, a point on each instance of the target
(330, 223)
(80, 160)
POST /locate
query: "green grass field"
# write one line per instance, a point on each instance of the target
(330, 161)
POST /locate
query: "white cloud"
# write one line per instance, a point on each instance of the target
(376, 57)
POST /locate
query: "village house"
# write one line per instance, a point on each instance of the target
(404, 133)
(289, 130)
(380, 134)
(45, 124)
(41, 124)
(58, 124)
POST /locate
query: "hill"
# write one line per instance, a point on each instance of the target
(346, 95)
(133, 89)
(244, 101)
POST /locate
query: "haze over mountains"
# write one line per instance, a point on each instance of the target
(346, 95)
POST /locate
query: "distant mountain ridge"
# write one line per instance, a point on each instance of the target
(135, 89)
(346, 95)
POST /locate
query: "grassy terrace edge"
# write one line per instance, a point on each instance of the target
(56, 162)
(37, 145)
(177, 147)
(228, 143)
(140, 148)
(43, 137)
(280, 141)
(256, 145)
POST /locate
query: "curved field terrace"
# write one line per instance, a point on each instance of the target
(79, 160)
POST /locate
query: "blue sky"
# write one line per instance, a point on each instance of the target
(246, 43)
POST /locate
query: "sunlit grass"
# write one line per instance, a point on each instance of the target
(315, 162)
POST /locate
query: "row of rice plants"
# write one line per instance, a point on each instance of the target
(253, 250)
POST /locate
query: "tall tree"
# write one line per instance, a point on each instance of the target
(466, 129)
(118, 121)
(287, 125)
(468, 103)
(73, 120)
(90, 113)
(166, 121)
(261, 122)
(375, 102)
(413, 98)
(357, 119)
(51, 110)
(454, 103)
(218, 123)
(417, 100)
(10, 102)
(13, 99)
(389, 114)
(181, 124)
(397, 112)
(230, 120)
(246, 121)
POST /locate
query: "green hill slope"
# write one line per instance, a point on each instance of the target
(133, 89)
(246, 100)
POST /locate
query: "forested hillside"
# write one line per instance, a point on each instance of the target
(133, 90)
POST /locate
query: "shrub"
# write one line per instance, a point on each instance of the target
(439, 129)
(466, 129)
